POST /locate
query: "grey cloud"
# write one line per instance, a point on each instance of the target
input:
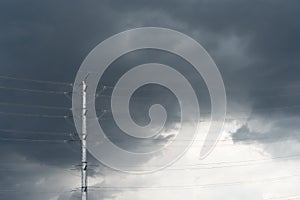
(278, 136)
(48, 40)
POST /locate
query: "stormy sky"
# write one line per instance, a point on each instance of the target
(255, 45)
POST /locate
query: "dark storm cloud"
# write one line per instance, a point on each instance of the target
(268, 33)
(265, 33)
(49, 39)
(282, 129)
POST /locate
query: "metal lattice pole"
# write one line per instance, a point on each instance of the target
(83, 148)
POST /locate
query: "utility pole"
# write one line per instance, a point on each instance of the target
(83, 143)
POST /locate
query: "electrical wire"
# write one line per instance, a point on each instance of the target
(39, 192)
(103, 87)
(184, 187)
(35, 106)
(243, 163)
(35, 140)
(283, 197)
(36, 132)
(100, 94)
(116, 139)
(34, 90)
(287, 86)
(245, 139)
(34, 115)
(35, 80)
(104, 112)
(214, 165)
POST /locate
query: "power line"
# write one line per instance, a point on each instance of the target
(35, 106)
(208, 165)
(211, 165)
(99, 94)
(225, 164)
(105, 87)
(35, 80)
(53, 107)
(35, 140)
(36, 132)
(34, 115)
(219, 145)
(245, 139)
(222, 165)
(184, 187)
(104, 111)
(40, 192)
(272, 87)
(116, 139)
(69, 116)
(284, 197)
(34, 90)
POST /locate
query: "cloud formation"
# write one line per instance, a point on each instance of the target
(254, 43)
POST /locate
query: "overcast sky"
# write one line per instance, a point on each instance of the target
(256, 47)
